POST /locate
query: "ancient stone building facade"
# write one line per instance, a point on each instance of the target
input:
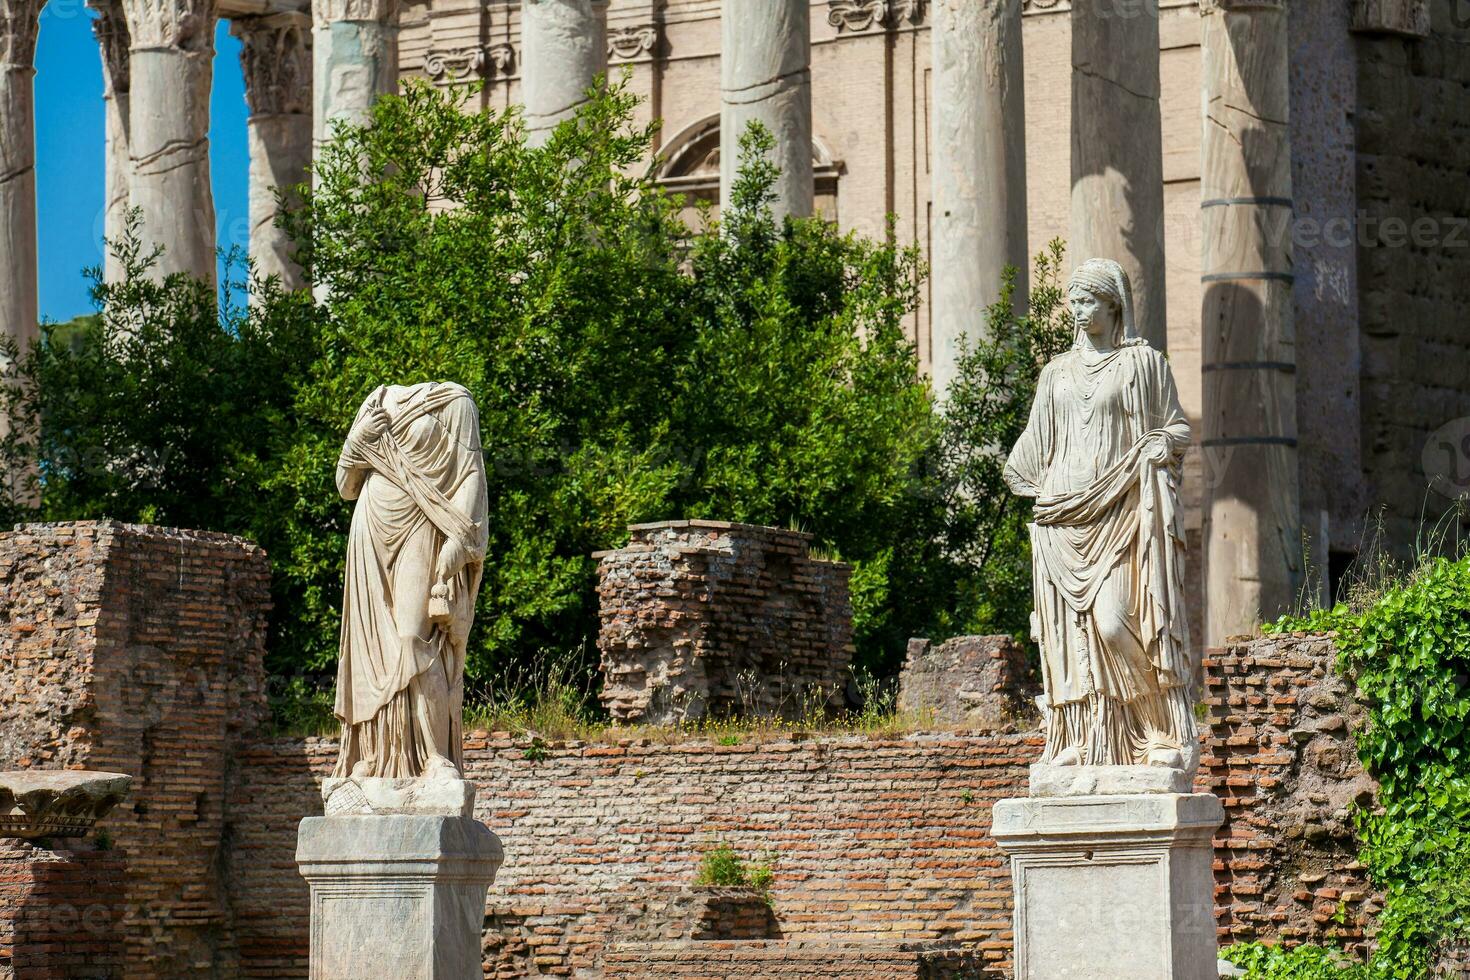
(1285, 183)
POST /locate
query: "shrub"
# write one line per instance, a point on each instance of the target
(723, 867)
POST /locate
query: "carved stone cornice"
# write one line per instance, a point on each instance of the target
(1406, 18)
(635, 41)
(275, 57)
(448, 66)
(187, 24)
(20, 20)
(64, 803)
(111, 30)
(863, 15)
(1044, 6)
(331, 11)
(455, 66)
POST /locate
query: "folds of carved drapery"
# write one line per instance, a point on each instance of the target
(275, 55)
(171, 56)
(563, 50)
(765, 77)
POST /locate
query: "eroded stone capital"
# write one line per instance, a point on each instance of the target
(111, 30)
(185, 24)
(275, 56)
(65, 803)
(20, 20)
(329, 11)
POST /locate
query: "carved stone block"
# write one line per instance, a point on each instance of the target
(397, 896)
(1112, 886)
(65, 803)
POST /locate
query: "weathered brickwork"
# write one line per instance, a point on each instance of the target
(980, 683)
(1413, 149)
(61, 911)
(139, 650)
(708, 617)
(792, 961)
(879, 840)
(1281, 758)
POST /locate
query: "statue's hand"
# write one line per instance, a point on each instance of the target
(452, 557)
(372, 425)
(1156, 449)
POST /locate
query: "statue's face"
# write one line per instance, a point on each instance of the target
(1095, 315)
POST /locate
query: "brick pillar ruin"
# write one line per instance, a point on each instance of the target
(710, 618)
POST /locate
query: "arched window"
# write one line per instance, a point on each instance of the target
(691, 167)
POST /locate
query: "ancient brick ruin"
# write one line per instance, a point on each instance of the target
(61, 910)
(708, 618)
(140, 650)
(1280, 756)
(880, 846)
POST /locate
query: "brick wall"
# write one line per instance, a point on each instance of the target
(1413, 149)
(708, 617)
(61, 911)
(791, 961)
(139, 650)
(1281, 758)
(885, 840)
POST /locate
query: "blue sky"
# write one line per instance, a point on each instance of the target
(69, 139)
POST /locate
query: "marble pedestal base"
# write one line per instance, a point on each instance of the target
(397, 896)
(1112, 886)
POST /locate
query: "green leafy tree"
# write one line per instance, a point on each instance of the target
(624, 370)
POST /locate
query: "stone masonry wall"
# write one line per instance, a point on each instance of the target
(1413, 150)
(708, 617)
(139, 650)
(884, 840)
(61, 911)
(1280, 755)
(979, 683)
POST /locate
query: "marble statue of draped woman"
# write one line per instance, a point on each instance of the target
(1101, 453)
(415, 552)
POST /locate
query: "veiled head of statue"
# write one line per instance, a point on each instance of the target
(1101, 299)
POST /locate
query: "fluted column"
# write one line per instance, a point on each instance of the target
(19, 24)
(275, 55)
(765, 77)
(111, 29)
(171, 68)
(1252, 519)
(1118, 149)
(354, 60)
(563, 50)
(979, 170)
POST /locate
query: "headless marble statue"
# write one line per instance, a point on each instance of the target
(412, 462)
(1102, 454)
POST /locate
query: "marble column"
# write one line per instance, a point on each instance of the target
(1118, 149)
(275, 54)
(19, 25)
(111, 29)
(354, 60)
(765, 77)
(171, 68)
(979, 170)
(563, 50)
(1252, 519)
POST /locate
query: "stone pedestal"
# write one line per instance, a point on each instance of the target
(1112, 886)
(399, 895)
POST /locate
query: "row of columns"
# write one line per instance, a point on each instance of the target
(158, 62)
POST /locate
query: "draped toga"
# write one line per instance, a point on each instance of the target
(421, 493)
(1108, 554)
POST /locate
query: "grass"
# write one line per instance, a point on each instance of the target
(554, 700)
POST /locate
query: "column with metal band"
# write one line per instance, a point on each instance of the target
(1252, 518)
